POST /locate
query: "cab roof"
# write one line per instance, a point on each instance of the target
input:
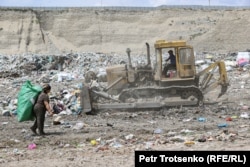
(169, 44)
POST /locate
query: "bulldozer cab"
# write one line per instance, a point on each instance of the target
(184, 66)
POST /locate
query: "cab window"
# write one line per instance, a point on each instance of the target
(186, 56)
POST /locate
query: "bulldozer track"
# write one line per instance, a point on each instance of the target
(185, 93)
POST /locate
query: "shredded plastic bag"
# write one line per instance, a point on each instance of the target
(26, 99)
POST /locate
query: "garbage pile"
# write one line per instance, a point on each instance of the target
(65, 73)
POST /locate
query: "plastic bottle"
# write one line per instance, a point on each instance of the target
(222, 125)
(201, 119)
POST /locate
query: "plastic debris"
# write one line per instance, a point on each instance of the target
(189, 143)
(93, 142)
(202, 139)
(57, 120)
(149, 145)
(234, 117)
(244, 115)
(31, 146)
(116, 145)
(5, 123)
(222, 125)
(78, 126)
(158, 131)
(129, 137)
(201, 119)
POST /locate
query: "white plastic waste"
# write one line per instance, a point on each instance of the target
(78, 126)
(244, 115)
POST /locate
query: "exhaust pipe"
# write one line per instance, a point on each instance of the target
(129, 58)
(148, 54)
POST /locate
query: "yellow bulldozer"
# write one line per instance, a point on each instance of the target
(148, 86)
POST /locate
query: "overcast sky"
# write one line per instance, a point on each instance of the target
(135, 3)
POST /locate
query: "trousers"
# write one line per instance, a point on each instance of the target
(39, 114)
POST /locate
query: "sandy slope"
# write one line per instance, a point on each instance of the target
(113, 30)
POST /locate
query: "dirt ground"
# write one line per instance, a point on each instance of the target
(110, 138)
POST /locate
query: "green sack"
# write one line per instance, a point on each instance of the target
(26, 99)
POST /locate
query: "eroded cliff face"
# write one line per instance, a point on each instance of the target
(114, 30)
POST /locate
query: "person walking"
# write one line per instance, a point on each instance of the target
(41, 106)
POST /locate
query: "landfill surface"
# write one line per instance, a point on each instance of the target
(110, 137)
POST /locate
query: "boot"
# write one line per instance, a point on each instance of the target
(33, 130)
(42, 133)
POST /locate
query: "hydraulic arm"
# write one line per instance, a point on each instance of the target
(208, 74)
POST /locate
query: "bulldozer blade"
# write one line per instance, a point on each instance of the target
(105, 95)
(85, 100)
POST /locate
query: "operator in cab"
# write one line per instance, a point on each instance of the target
(172, 64)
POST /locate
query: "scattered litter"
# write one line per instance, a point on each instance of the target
(66, 125)
(78, 126)
(93, 142)
(187, 120)
(186, 131)
(17, 152)
(149, 145)
(234, 117)
(245, 107)
(57, 120)
(222, 125)
(5, 123)
(6, 113)
(229, 119)
(102, 148)
(66, 145)
(158, 131)
(202, 139)
(210, 139)
(116, 145)
(243, 126)
(201, 119)
(177, 139)
(24, 131)
(244, 115)
(152, 122)
(129, 137)
(189, 143)
(31, 146)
